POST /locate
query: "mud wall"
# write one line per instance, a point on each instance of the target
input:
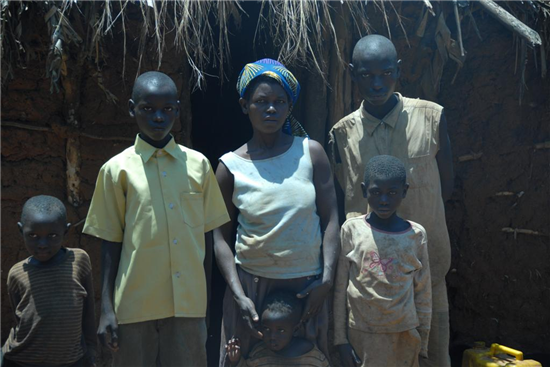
(499, 283)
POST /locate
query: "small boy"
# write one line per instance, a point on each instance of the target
(280, 319)
(152, 206)
(382, 297)
(51, 293)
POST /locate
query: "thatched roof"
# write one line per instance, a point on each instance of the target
(301, 30)
(317, 35)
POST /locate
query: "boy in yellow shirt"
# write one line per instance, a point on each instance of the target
(152, 205)
(382, 294)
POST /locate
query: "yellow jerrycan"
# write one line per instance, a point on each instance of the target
(496, 356)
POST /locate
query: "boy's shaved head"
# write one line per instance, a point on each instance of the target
(384, 167)
(373, 45)
(44, 204)
(283, 303)
(152, 80)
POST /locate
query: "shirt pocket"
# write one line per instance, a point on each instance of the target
(420, 137)
(192, 206)
(418, 171)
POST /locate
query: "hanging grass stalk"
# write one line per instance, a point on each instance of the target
(299, 28)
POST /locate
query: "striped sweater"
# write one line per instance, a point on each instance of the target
(262, 356)
(54, 311)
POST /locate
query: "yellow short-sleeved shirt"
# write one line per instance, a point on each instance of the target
(158, 203)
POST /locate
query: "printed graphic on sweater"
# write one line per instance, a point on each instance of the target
(378, 265)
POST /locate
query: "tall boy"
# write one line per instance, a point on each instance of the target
(51, 293)
(152, 205)
(382, 294)
(415, 131)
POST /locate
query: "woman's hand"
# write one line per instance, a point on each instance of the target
(348, 356)
(233, 350)
(316, 294)
(249, 315)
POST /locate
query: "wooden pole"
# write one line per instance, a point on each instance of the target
(511, 22)
(71, 80)
(314, 105)
(186, 117)
(458, 28)
(74, 162)
(340, 99)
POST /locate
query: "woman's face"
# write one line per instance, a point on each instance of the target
(267, 108)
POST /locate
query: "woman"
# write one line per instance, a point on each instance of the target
(278, 188)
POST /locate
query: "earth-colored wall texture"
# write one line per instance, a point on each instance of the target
(499, 282)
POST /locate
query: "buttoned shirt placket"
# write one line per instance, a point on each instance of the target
(170, 204)
(382, 139)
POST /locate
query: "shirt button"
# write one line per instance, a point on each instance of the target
(178, 274)
(175, 242)
(171, 206)
(164, 173)
(256, 279)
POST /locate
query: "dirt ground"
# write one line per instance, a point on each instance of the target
(499, 283)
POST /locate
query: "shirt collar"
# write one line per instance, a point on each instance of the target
(146, 150)
(54, 261)
(370, 123)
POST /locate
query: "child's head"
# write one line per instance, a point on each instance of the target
(155, 106)
(375, 68)
(385, 185)
(280, 318)
(43, 226)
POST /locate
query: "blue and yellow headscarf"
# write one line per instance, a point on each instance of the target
(276, 70)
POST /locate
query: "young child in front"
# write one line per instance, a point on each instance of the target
(154, 206)
(382, 297)
(51, 293)
(279, 320)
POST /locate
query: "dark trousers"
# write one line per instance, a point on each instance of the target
(171, 342)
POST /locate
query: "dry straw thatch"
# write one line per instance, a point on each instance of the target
(300, 29)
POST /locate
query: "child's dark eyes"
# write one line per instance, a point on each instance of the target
(51, 235)
(282, 331)
(393, 192)
(365, 75)
(388, 73)
(147, 108)
(169, 109)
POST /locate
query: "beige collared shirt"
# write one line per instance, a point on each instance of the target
(410, 132)
(158, 203)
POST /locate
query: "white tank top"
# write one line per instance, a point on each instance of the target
(279, 231)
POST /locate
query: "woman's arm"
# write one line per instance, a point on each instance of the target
(327, 208)
(207, 264)
(444, 160)
(224, 256)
